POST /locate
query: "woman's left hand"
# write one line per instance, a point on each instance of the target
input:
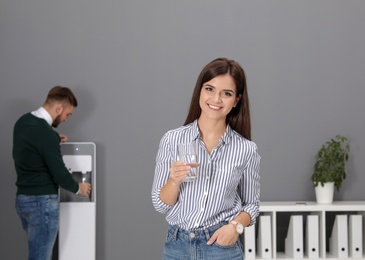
(224, 236)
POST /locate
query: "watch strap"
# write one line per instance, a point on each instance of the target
(235, 223)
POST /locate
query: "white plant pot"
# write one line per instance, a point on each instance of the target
(324, 195)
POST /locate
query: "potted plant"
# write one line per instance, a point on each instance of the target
(329, 169)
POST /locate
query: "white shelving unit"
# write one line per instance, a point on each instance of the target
(281, 212)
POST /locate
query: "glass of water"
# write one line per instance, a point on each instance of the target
(188, 153)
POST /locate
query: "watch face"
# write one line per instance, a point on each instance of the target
(239, 228)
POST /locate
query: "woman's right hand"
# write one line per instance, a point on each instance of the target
(170, 191)
(178, 172)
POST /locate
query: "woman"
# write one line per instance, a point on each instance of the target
(207, 216)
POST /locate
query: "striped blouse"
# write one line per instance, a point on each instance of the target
(228, 180)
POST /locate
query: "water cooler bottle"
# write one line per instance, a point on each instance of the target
(77, 229)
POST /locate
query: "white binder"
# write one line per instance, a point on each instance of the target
(355, 236)
(250, 242)
(264, 238)
(294, 238)
(312, 237)
(339, 237)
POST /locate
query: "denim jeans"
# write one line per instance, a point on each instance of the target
(192, 245)
(40, 218)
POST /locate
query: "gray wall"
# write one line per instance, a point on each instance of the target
(133, 66)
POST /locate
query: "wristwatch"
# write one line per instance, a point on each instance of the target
(239, 227)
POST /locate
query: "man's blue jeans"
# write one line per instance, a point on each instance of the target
(192, 245)
(40, 218)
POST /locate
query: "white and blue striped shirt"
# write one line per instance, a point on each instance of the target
(228, 180)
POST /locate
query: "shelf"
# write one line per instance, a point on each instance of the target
(281, 214)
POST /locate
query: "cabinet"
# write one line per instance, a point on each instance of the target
(341, 222)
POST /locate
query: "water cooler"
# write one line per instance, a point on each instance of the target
(77, 228)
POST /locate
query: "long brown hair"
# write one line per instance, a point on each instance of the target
(239, 117)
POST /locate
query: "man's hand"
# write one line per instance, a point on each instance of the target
(64, 138)
(85, 189)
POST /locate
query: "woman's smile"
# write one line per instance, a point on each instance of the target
(214, 107)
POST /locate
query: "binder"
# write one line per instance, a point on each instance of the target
(312, 237)
(294, 238)
(355, 236)
(250, 242)
(264, 238)
(339, 238)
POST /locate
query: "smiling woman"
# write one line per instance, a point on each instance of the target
(208, 214)
(218, 95)
(239, 117)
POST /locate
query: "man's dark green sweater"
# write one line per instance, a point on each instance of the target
(38, 160)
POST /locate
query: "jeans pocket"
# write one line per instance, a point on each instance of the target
(53, 203)
(226, 246)
(29, 212)
(170, 236)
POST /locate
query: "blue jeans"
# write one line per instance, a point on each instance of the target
(192, 245)
(40, 217)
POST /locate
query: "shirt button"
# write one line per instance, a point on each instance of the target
(205, 193)
(192, 235)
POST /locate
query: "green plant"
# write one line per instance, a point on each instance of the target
(331, 160)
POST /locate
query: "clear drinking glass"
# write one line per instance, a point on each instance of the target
(188, 153)
(86, 178)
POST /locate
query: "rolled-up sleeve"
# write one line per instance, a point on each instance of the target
(250, 184)
(162, 173)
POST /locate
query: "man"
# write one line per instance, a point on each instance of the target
(41, 170)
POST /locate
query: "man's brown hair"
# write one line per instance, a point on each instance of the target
(63, 94)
